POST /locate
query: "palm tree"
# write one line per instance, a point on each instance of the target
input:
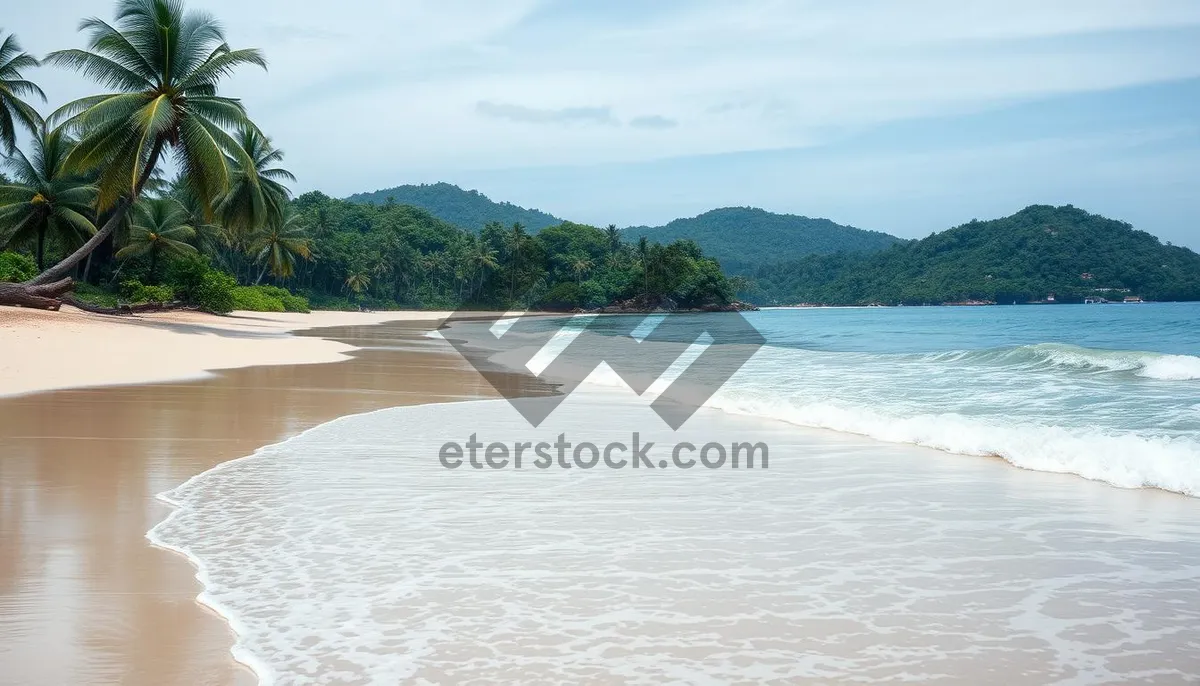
(159, 229)
(14, 89)
(614, 238)
(515, 239)
(357, 282)
(482, 258)
(43, 201)
(581, 266)
(164, 64)
(256, 196)
(279, 244)
(643, 254)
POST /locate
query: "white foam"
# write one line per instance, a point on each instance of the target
(348, 555)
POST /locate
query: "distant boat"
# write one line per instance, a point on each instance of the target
(1133, 299)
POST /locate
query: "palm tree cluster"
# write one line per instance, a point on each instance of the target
(94, 171)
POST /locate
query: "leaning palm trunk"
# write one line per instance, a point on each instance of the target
(45, 290)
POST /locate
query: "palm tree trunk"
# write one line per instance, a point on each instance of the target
(261, 275)
(153, 265)
(41, 248)
(63, 268)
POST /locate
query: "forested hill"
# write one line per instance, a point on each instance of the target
(744, 238)
(1025, 257)
(470, 210)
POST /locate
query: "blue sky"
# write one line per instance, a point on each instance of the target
(906, 117)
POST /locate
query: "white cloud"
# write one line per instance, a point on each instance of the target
(362, 92)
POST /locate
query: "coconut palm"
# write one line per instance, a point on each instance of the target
(256, 196)
(513, 243)
(159, 229)
(15, 112)
(42, 201)
(357, 282)
(581, 266)
(279, 244)
(614, 239)
(482, 258)
(643, 249)
(164, 65)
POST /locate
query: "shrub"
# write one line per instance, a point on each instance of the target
(291, 303)
(16, 267)
(186, 276)
(95, 295)
(563, 297)
(295, 303)
(215, 292)
(254, 299)
(137, 292)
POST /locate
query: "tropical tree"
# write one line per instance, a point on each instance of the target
(357, 282)
(643, 249)
(15, 112)
(42, 201)
(256, 196)
(159, 229)
(614, 238)
(163, 65)
(482, 259)
(279, 244)
(581, 266)
(515, 240)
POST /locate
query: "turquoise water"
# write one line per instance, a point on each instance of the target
(1108, 392)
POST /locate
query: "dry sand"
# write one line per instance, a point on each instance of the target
(84, 598)
(42, 351)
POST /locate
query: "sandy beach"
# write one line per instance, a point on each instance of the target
(42, 351)
(84, 597)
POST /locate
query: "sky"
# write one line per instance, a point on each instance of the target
(906, 117)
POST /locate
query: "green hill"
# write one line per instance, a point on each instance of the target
(466, 209)
(1027, 256)
(744, 238)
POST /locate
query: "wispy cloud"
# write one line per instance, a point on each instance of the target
(653, 121)
(534, 115)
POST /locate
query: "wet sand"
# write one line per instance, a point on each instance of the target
(84, 597)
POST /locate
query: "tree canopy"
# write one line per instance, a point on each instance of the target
(744, 238)
(1039, 251)
(469, 210)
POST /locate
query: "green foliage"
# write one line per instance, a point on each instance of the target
(470, 210)
(95, 295)
(44, 206)
(15, 267)
(15, 89)
(134, 291)
(160, 66)
(253, 299)
(267, 299)
(1036, 252)
(396, 255)
(186, 277)
(290, 302)
(215, 293)
(742, 239)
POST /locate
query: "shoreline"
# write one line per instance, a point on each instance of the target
(81, 471)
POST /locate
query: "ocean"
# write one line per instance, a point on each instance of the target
(885, 541)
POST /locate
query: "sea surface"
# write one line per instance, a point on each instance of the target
(884, 543)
